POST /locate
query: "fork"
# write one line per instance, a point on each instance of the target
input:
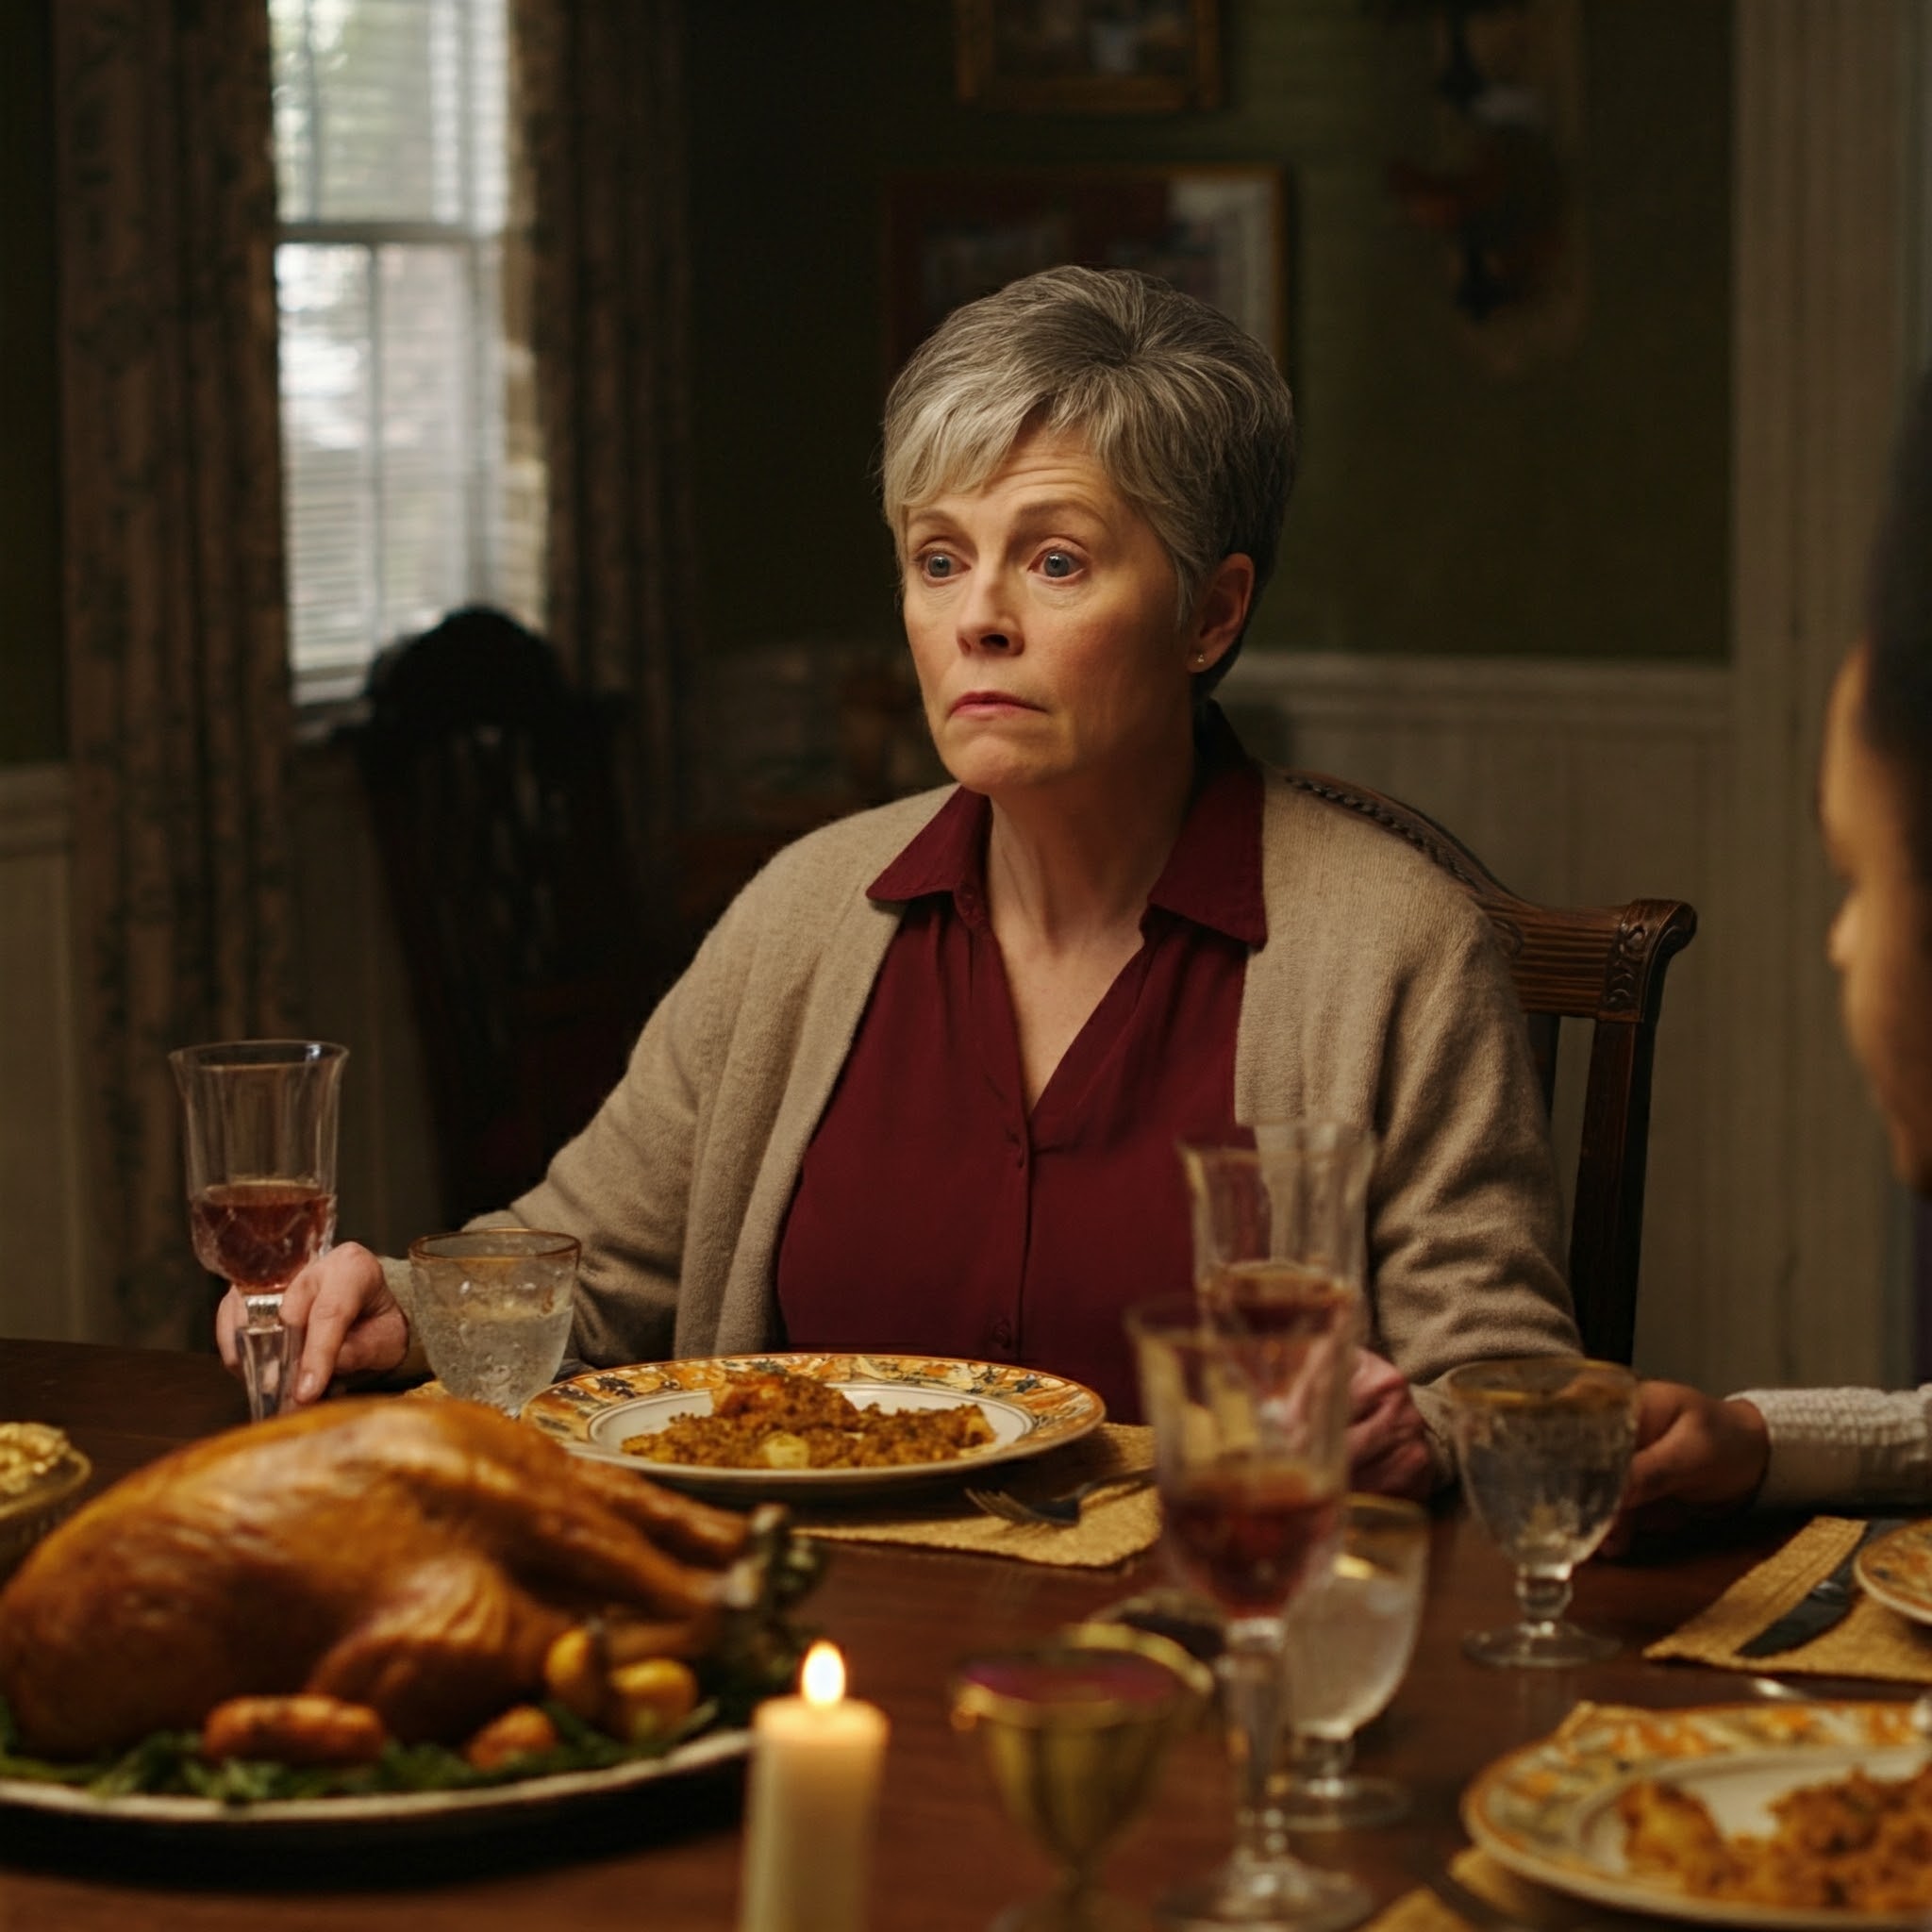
(1054, 1513)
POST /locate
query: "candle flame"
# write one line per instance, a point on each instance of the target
(823, 1680)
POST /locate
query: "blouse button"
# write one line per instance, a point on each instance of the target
(1003, 1334)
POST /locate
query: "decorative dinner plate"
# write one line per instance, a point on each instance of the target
(382, 1814)
(1896, 1569)
(1548, 1811)
(1027, 1410)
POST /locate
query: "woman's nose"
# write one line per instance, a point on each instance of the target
(987, 621)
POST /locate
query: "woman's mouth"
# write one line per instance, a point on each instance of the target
(988, 703)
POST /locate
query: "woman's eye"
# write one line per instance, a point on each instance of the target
(936, 568)
(1059, 563)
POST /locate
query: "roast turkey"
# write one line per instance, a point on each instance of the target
(416, 1556)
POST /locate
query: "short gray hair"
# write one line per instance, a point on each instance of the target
(1183, 409)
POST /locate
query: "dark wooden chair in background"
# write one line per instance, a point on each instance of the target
(1604, 964)
(492, 797)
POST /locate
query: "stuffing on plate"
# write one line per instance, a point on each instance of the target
(779, 1421)
(1859, 1842)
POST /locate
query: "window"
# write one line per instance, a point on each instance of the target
(413, 482)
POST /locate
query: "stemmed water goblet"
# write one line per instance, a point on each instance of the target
(1074, 1732)
(1249, 1407)
(1351, 1632)
(258, 1142)
(493, 1308)
(1544, 1445)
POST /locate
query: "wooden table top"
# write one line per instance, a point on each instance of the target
(946, 1857)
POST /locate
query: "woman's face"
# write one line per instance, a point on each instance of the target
(1042, 612)
(1881, 939)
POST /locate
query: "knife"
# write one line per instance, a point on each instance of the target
(1823, 1605)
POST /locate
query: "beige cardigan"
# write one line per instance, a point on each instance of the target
(1378, 999)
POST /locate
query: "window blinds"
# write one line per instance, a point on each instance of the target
(391, 147)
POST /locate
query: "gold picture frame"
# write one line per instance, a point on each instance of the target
(1218, 230)
(1089, 56)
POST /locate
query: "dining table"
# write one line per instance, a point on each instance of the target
(945, 1857)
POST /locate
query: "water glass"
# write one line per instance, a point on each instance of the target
(1350, 1633)
(493, 1307)
(1544, 1445)
(259, 1120)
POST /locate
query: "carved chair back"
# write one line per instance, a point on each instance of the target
(493, 801)
(1604, 964)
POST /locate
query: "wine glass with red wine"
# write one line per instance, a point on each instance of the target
(259, 1139)
(1249, 1404)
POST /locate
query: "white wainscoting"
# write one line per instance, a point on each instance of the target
(1576, 784)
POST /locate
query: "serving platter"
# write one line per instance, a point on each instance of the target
(1896, 1570)
(380, 1815)
(1028, 1411)
(1548, 1811)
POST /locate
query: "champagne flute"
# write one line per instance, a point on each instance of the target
(1351, 1632)
(493, 1307)
(258, 1141)
(1075, 1730)
(1250, 1407)
(1545, 1444)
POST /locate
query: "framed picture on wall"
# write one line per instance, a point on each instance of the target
(1218, 232)
(1094, 57)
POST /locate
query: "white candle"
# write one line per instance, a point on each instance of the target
(814, 1784)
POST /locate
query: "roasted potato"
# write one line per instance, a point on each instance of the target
(302, 1729)
(522, 1731)
(651, 1697)
(576, 1672)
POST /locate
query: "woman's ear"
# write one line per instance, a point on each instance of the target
(1220, 610)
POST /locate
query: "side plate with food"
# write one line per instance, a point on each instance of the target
(602, 1414)
(1896, 1569)
(1655, 1811)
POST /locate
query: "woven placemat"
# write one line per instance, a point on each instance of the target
(1872, 1642)
(1111, 1527)
(1536, 1906)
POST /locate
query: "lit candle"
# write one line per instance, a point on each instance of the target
(814, 1783)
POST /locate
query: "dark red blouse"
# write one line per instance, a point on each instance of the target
(932, 1216)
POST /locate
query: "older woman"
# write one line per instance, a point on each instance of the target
(920, 1089)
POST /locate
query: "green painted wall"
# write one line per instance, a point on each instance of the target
(31, 725)
(1580, 508)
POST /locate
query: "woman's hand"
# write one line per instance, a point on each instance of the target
(354, 1325)
(1696, 1456)
(1388, 1445)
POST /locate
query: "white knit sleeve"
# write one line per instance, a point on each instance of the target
(1845, 1445)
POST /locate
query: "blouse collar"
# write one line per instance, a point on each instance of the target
(1212, 877)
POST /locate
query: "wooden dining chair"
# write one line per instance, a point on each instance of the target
(492, 797)
(1604, 964)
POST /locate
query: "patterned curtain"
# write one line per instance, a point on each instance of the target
(597, 91)
(178, 707)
